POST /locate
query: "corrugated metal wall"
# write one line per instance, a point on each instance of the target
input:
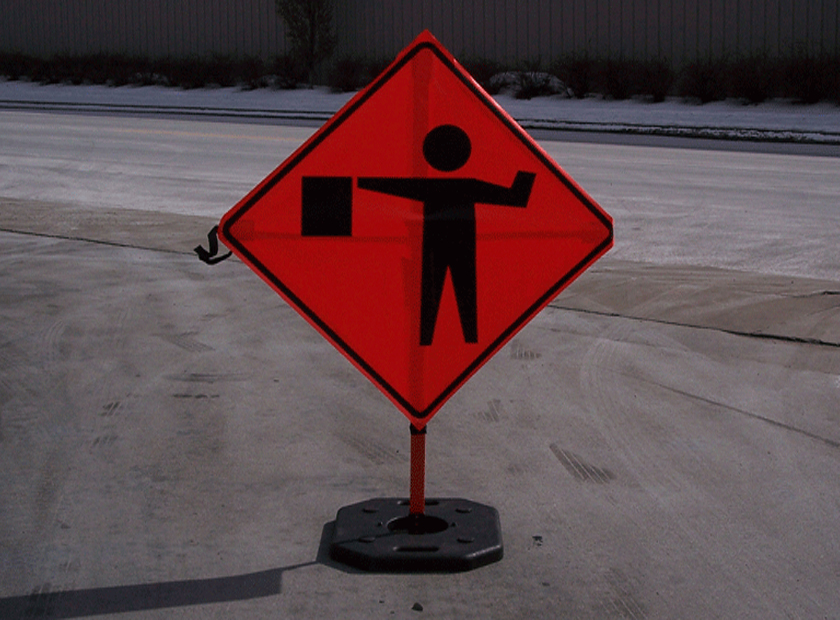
(154, 28)
(529, 29)
(505, 30)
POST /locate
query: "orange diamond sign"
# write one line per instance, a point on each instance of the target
(419, 229)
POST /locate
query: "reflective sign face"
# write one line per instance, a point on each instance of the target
(419, 229)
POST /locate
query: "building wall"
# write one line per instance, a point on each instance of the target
(153, 28)
(505, 30)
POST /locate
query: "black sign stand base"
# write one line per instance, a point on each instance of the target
(451, 535)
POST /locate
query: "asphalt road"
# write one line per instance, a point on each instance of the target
(661, 442)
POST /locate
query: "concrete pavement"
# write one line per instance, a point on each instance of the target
(661, 442)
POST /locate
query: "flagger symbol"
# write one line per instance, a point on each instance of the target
(449, 233)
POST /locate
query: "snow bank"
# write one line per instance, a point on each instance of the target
(777, 120)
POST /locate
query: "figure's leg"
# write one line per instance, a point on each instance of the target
(462, 267)
(432, 279)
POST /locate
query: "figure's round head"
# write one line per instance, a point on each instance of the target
(447, 148)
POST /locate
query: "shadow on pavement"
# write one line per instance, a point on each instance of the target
(44, 603)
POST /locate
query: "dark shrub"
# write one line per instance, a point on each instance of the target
(704, 80)
(375, 66)
(347, 74)
(14, 65)
(835, 86)
(617, 78)
(192, 72)
(288, 71)
(351, 73)
(147, 72)
(220, 71)
(251, 72)
(58, 69)
(577, 71)
(111, 69)
(655, 77)
(121, 70)
(752, 78)
(95, 69)
(482, 71)
(810, 77)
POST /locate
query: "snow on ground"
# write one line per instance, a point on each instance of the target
(776, 120)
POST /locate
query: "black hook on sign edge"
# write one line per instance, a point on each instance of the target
(213, 241)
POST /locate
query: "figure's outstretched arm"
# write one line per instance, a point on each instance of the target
(416, 189)
(516, 195)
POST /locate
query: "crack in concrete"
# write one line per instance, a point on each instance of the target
(749, 414)
(733, 332)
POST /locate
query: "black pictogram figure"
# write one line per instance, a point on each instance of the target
(449, 223)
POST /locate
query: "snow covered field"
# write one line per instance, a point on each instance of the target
(777, 120)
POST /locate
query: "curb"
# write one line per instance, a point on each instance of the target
(318, 116)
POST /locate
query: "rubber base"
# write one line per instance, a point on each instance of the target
(454, 535)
